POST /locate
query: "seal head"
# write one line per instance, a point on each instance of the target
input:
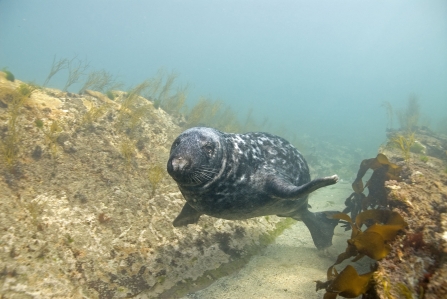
(196, 157)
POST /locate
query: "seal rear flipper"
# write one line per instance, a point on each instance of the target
(188, 215)
(321, 227)
(284, 189)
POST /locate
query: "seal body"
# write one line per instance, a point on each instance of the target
(240, 176)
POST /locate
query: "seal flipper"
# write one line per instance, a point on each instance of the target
(188, 215)
(321, 227)
(284, 189)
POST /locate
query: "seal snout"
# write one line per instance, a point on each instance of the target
(179, 164)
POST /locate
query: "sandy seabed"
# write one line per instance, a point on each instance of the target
(289, 267)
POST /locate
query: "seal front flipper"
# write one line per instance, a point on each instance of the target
(188, 215)
(284, 189)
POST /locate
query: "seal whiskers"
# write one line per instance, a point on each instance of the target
(195, 179)
(202, 174)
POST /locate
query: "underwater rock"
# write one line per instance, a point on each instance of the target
(37, 152)
(62, 138)
(78, 220)
(414, 266)
(408, 264)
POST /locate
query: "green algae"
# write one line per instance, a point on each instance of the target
(8, 75)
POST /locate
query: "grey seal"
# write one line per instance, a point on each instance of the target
(240, 176)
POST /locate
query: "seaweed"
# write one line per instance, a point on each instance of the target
(404, 143)
(384, 283)
(423, 158)
(175, 103)
(25, 90)
(415, 240)
(227, 121)
(35, 210)
(417, 148)
(136, 116)
(100, 81)
(127, 150)
(39, 123)
(348, 283)
(202, 112)
(159, 91)
(93, 115)
(133, 109)
(249, 124)
(405, 292)
(56, 66)
(409, 117)
(51, 133)
(8, 75)
(34, 86)
(215, 114)
(9, 145)
(155, 176)
(382, 227)
(383, 170)
(110, 95)
(76, 69)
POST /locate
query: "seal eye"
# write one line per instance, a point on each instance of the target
(209, 149)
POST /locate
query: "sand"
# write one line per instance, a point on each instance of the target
(289, 267)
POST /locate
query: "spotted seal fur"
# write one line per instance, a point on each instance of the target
(240, 176)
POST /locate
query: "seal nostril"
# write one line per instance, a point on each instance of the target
(179, 163)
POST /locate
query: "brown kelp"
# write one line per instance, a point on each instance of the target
(348, 283)
(383, 170)
(382, 226)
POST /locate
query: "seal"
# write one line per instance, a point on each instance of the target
(240, 176)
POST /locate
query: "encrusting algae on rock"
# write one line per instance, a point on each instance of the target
(79, 219)
(415, 267)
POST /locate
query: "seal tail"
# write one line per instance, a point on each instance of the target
(321, 227)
